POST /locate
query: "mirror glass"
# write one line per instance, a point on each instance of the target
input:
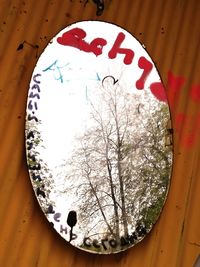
(98, 137)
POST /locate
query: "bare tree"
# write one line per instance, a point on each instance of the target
(119, 162)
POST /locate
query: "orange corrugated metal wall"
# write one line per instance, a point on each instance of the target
(170, 30)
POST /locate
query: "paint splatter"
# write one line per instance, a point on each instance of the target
(158, 91)
(174, 87)
(195, 93)
(147, 66)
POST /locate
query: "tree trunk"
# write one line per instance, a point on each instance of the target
(113, 194)
(120, 175)
(100, 207)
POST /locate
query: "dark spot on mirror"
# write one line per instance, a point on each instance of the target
(71, 221)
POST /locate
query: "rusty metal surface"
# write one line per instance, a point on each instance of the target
(171, 33)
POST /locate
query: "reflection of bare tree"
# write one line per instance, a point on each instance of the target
(120, 161)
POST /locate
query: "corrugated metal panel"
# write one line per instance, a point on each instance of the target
(171, 33)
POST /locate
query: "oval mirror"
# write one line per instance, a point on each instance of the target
(98, 137)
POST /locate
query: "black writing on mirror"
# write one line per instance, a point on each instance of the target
(34, 96)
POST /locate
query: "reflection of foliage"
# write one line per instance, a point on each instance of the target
(120, 166)
(151, 213)
(157, 165)
(40, 174)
